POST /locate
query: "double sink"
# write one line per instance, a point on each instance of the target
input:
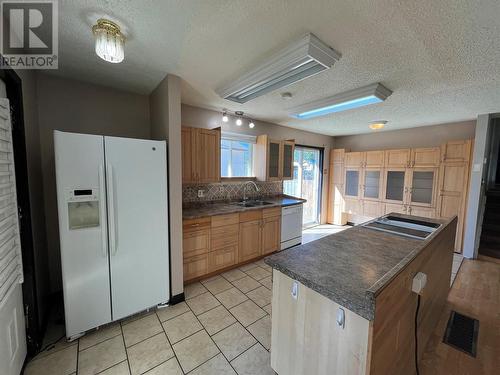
(252, 203)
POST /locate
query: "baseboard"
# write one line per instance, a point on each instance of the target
(178, 298)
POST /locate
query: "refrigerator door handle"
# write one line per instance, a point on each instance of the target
(111, 211)
(102, 208)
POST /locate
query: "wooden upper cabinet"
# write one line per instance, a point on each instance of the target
(337, 155)
(187, 155)
(397, 158)
(273, 159)
(425, 157)
(374, 159)
(287, 149)
(456, 151)
(354, 159)
(200, 155)
(422, 186)
(352, 182)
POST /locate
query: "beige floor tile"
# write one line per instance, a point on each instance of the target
(267, 282)
(101, 356)
(193, 290)
(217, 285)
(258, 273)
(216, 319)
(149, 353)
(268, 308)
(246, 284)
(202, 303)
(218, 365)
(233, 340)
(194, 350)
(255, 360)
(261, 296)
(247, 312)
(119, 369)
(100, 335)
(231, 297)
(61, 344)
(170, 367)
(261, 330)
(133, 318)
(181, 327)
(248, 266)
(234, 275)
(141, 329)
(172, 311)
(62, 362)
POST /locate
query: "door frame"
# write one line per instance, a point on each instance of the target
(34, 328)
(320, 182)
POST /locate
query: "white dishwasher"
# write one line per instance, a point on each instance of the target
(291, 226)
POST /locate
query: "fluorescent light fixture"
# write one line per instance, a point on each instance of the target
(302, 59)
(356, 98)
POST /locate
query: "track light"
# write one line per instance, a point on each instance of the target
(224, 116)
(239, 121)
(251, 125)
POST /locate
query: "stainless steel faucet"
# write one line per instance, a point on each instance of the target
(245, 188)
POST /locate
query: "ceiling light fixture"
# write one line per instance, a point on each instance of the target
(224, 116)
(251, 125)
(377, 125)
(302, 59)
(286, 95)
(356, 98)
(109, 41)
(239, 121)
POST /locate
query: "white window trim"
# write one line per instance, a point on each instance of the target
(240, 138)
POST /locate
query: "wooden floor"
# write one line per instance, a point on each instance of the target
(476, 293)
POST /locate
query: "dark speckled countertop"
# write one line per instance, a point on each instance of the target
(196, 210)
(351, 267)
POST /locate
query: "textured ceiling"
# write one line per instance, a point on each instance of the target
(440, 58)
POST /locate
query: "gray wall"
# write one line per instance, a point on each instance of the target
(204, 118)
(427, 136)
(74, 106)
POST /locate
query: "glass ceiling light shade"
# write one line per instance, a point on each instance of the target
(356, 98)
(109, 41)
(377, 125)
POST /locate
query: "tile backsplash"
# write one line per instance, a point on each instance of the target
(229, 190)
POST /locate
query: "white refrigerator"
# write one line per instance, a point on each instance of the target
(113, 227)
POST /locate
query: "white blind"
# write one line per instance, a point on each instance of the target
(11, 266)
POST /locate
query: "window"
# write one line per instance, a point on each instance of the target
(236, 155)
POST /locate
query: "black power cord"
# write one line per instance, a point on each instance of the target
(416, 334)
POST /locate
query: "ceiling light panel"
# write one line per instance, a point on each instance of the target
(356, 98)
(302, 59)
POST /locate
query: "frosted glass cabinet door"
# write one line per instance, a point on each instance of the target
(372, 184)
(352, 183)
(274, 160)
(395, 186)
(422, 188)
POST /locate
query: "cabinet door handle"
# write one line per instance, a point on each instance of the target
(195, 225)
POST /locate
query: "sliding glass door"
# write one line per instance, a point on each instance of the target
(306, 182)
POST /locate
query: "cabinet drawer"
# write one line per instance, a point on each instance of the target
(228, 230)
(250, 215)
(222, 258)
(196, 224)
(196, 243)
(270, 212)
(195, 266)
(220, 220)
(219, 242)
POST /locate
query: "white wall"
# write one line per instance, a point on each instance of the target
(74, 106)
(204, 118)
(165, 108)
(426, 136)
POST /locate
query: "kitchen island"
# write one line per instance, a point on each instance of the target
(365, 277)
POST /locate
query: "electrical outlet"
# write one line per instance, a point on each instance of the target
(419, 282)
(201, 193)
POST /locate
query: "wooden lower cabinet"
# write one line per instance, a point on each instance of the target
(397, 208)
(195, 266)
(250, 240)
(372, 209)
(222, 258)
(196, 242)
(271, 234)
(422, 211)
